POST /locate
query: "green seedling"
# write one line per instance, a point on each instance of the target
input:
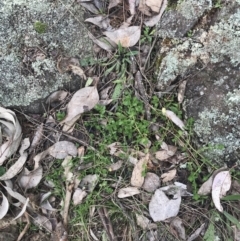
(40, 27)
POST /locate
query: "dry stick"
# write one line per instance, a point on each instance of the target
(25, 228)
(109, 223)
(67, 203)
(104, 222)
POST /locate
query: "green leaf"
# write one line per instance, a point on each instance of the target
(210, 233)
(232, 219)
(109, 70)
(231, 198)
(117, 91)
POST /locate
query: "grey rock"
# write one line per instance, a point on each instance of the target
(178, 21)
(210, 62)
(151, 182)
(25, 78)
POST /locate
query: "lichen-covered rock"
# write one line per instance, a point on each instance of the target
(180, 19)
(210, 62)
(33, 35)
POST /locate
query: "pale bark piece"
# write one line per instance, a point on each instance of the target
(4, 206)
(151, 182)
(30, 179)
(83, 100)
(162, 208)
(168, 176)
(18, 165)
(221, 184)
(137, 178)
(127, 37)
(174, 118)
(78, 196)
(155, 5)
(128, 192)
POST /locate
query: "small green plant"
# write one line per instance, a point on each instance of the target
(218, 4)
(148, 35)
(60, 115)
(40, 27)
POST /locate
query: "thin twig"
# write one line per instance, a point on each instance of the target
(20, 236)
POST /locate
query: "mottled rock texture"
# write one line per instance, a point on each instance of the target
(33, 34)
(209, 60)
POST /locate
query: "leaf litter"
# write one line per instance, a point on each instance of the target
(164, 202)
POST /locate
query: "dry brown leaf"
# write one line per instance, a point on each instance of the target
(221, 184)
(174, 118)
(127, 37)
(145, 223)
(37, 137)
(144, 8)
(197, 233)
(56, 97)
(128, 192)
(132, 6)
(78, 196)
(115, 166)
(29, 179)
(137, 178)
(82, 101)
(162, 155)
(168, 176)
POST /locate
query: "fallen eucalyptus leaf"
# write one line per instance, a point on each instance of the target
(177, 225)
(196, 233)
(127, 37)
(115, 166)
(42, 221)
(83, 100)
(4, 206)
(23, 210)
(154, 5)
(128, 192)
(145, 223)
(221, 184)
(18, 165)
(168, 176)
(137, 178)
(174, 118)
(101, 21)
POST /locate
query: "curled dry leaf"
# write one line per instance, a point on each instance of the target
(83, 100)
(137, 178)
(78, 196)
(23, 209)
(128, 192)
(29, 179)
(127, 37)
(12, 131)
(161, 207)
(18, 165)
(221, 184)
(4, 206)
(168, 176)
(174, 118)
(206, 187)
